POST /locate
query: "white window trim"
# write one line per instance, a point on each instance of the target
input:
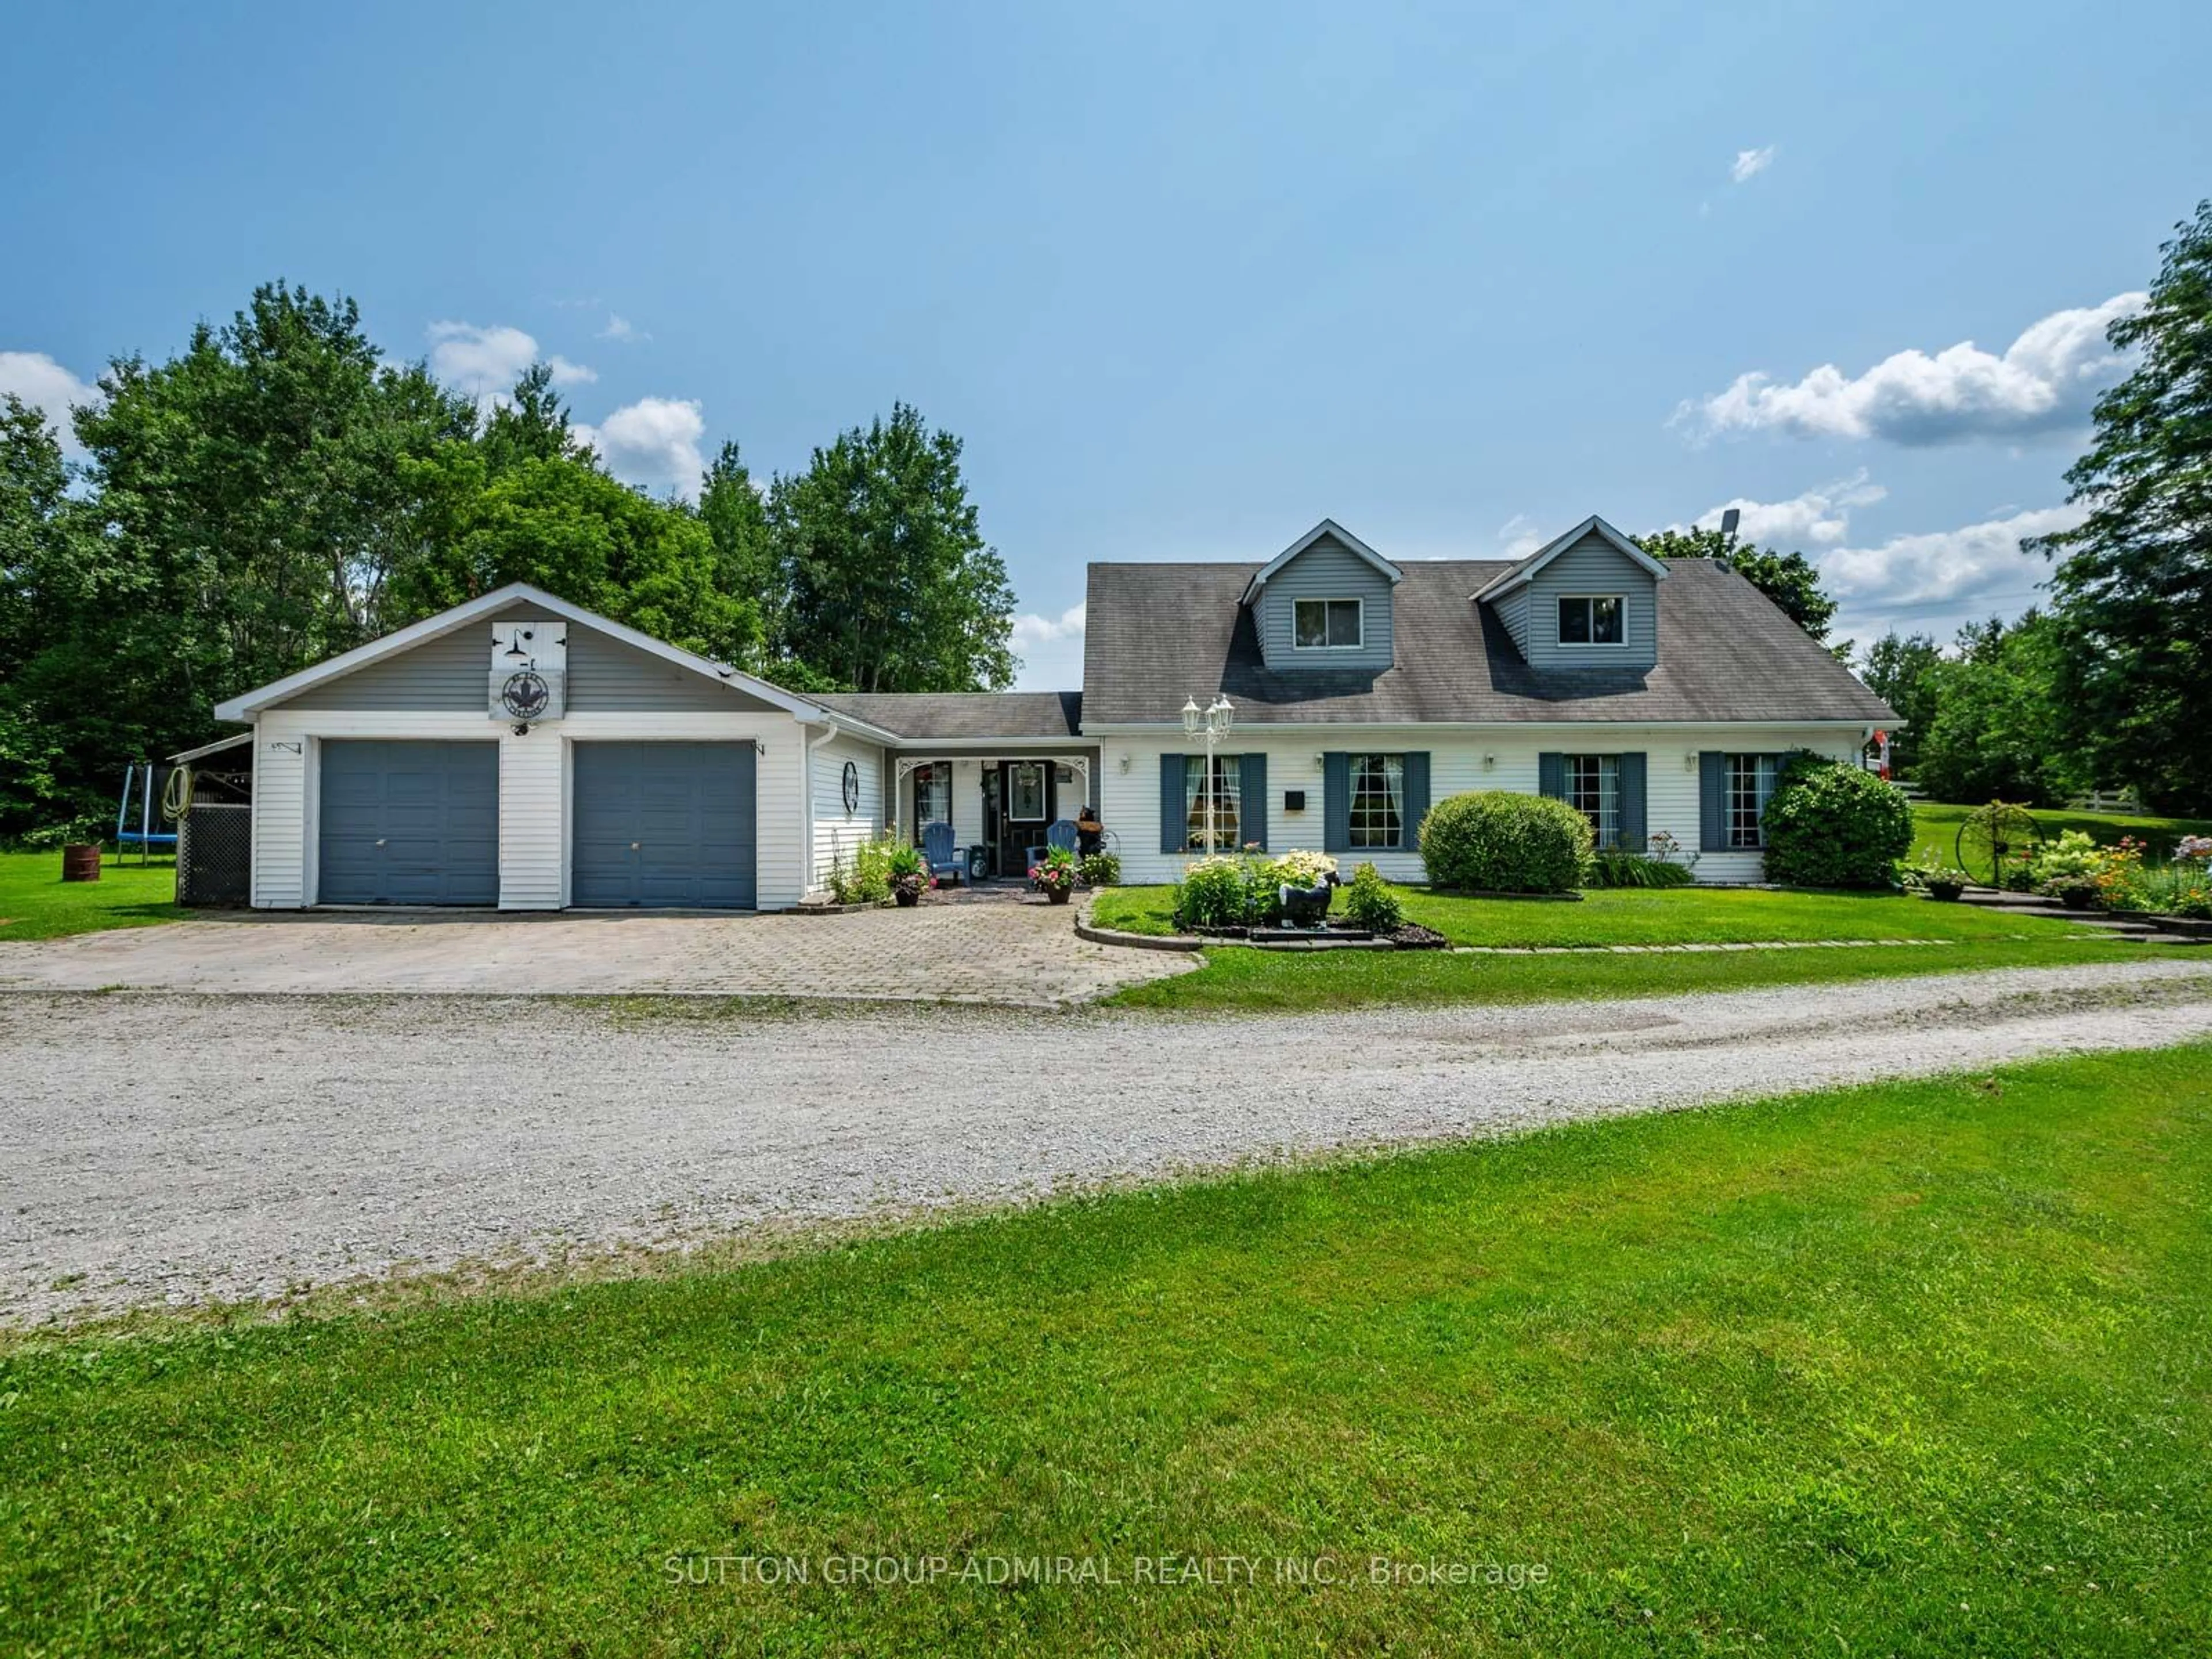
(1620, 644)
(1360, 644)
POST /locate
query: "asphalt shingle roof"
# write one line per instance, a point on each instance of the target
(1159, 633)
(1035, 715)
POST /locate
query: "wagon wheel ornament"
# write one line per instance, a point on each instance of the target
(1990, 835)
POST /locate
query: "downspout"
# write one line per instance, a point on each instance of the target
(807, 748)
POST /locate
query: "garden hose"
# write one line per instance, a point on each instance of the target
(177, 795)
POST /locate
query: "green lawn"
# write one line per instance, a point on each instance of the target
(1236, 979)
(35, 902)
(1679, 915)
(1924, 1368)
(1938, 826)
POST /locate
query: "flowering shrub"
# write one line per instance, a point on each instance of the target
(1216, 892)
(1100, 869)
(1296, 869)
(2197, 848)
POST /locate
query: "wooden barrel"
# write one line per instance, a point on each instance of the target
(81, 861)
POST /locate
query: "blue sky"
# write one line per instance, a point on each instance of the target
(1185, 279)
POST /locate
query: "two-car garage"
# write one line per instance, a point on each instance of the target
(654, 825)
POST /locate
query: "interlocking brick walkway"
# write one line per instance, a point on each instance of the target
(1019, 953)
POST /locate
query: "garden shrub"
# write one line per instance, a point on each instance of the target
(1493, 841)
(1831, 824)
(1370, 903)
(867, 879)
(1216, 892)
(1101, 869)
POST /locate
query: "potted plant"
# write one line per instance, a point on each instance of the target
(1930, 878)
(909, 876)
(1054, 875)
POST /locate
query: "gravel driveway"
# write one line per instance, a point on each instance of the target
(164, 1149)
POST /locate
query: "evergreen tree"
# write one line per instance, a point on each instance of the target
(2134, 582)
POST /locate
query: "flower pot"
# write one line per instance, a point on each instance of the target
(1059, 895)
(2082, 895)
(81, 861)
(1944, 892)
(905, 901)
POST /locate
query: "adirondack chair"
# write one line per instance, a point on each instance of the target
(1061, 832)
(938, 853)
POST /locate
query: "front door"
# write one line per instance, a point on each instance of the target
(1026, 795)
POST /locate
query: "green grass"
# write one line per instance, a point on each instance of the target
(1921, 1367)
(1267, 982)
(35, 902)
(1938, 823)
(1241, 980)
(1677, 915)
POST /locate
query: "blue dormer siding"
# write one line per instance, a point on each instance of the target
(1592, 566)
(1327, 569)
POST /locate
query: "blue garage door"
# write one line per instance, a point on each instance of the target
(409, 822)
(663, 826)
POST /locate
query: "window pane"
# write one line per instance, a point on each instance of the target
(1594, 790)
(1310, 622)
(1378, 801)
(1605, 622)
(1225, 799)
(1025, 793)
(1750, 782)
(1574, 622)
(1344, 621)
(932, 796)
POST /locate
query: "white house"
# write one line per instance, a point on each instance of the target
(521, 751)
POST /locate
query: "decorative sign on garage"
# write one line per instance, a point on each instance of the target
(529, 669)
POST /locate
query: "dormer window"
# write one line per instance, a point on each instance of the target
(1327, 625)
(1593, 619)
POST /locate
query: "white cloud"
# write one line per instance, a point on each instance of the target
(620, 329)
(1933, 581)
(652, 441)
(1750, 163)
(48, 387)
(1518, 536)
(1051, 650)
(2048, 378)
(486, 362)
(1819, 516)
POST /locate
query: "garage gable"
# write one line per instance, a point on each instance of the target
(447, 674)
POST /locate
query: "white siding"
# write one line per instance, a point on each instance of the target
(836, 832)
(534, 804)
(1130, 797)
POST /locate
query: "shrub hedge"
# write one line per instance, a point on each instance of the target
(1831, 825)
(1493, 841)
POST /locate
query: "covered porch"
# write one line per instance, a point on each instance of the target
(1000, 799)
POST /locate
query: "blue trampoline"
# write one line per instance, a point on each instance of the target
(139, 780)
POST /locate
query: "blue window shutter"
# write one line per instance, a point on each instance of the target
(1252, 798)
(1712, 801)
(1552, 775)
(1336, 803)
(1631, 802)
(1175, 810)
(1416, 798)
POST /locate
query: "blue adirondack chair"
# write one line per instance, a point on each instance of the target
(938, 853)
(1061, 832)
